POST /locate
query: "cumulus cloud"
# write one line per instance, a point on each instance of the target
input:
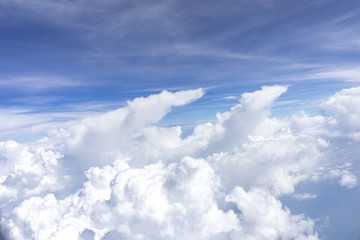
(267, 217)
(117, 175)
(117, 133)
(343, 107)
(25, 173)
(348, 180)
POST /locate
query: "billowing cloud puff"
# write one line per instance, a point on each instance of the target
(117, 133)
(267, 217)
(343, 107)
(118, 176)
(25, 173)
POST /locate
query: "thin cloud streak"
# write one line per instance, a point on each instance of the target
(38, 83)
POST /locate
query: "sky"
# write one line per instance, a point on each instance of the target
(179, 119)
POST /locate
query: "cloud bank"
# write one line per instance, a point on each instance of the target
(119, 176)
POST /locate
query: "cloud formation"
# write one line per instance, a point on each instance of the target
(118, 175)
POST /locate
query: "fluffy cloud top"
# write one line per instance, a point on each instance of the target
(343, 107)
(118, 176)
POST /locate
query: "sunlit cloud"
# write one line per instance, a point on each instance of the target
(116, 174)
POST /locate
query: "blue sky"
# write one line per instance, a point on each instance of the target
(58, 53)
(69, 71)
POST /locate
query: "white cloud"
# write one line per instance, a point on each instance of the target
(347, 74)
(305, 196)
(38, 83)
(155, 202)
(27, 172)
(118, 133)
(116, 175)
(348, 180)
(343, 107)
(25, 123)
(266, 218)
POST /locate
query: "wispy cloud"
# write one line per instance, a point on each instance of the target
(304, 196)
(343, 74)
(26, 123)
(38, 83)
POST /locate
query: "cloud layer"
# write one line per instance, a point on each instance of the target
(119, 176)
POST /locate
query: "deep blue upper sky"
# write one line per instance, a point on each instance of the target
(57, 53)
